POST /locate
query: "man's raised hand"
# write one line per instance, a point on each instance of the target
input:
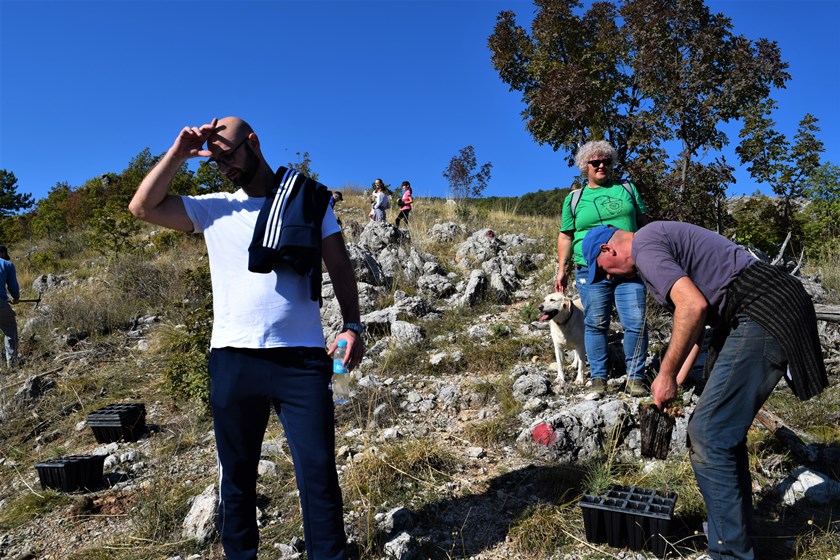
(191, 140)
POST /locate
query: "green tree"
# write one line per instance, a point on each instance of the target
(113, 226)
(755, 222)
(303, 165)
(11, 201)
(50, 216)
(696, 72)
(772, 160)
(542, 203)
(638, 75)
(210, 179)
(705, 205)
(822, 216)
(464, 181)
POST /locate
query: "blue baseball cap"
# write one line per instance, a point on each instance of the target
(591, 248)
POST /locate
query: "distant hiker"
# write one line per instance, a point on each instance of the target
(8, 322)
(267, 345)
(380, 202)
(604, 202)
(336, 197)
(405, 203)
(764, 324)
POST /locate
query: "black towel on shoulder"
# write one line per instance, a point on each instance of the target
(288, 229)
(779, 303)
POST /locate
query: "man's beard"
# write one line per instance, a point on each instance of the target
(248, 170)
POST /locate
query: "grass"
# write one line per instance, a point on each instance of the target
(501, 428)
(542, 530)
(817, 417)
(29, 506)
(404, 473)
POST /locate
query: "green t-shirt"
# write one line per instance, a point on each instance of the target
(610, 206)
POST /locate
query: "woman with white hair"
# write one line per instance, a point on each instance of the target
(604, 201)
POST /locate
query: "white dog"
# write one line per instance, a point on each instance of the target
(565, 318)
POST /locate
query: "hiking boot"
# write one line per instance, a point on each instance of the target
(599, 386)
(636, 388)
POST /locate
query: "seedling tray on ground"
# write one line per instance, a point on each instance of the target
(69, 474)
(117, 422)
(629, 516)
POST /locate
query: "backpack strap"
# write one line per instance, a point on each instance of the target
(574, 202)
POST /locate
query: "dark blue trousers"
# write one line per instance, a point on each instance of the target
(747, 369)
(244, 385)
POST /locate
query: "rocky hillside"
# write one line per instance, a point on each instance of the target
(442, 450)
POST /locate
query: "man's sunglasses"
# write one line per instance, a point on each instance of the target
(226, 157)
(596, 163)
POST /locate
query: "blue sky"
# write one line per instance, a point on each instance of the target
(389, 89)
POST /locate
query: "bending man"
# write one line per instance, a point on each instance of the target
(763, 322)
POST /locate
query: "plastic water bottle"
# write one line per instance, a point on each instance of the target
(340, 381)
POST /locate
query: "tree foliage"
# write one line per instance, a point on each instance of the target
(754, 220)
(464, 181)
(303, 165)
(210, 179)
(640, 75)
(50, 216)
(11, 201)
(543, 203)
(822, 215)
(773, 161)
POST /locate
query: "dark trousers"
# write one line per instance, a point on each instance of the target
(244, 385)
(403, 215)
(747, 369)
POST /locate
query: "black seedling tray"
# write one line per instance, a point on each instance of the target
(117, 422)
(69, 474)
(629, 516)
(655, 429)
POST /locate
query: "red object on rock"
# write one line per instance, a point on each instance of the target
(544, 433)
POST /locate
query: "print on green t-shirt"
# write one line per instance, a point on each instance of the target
(602, 206)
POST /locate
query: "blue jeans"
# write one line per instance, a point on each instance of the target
(749, 365)
(629, 297)
(244, 386)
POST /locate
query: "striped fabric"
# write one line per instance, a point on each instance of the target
(277, 207)
(778, 302)
(288, 228)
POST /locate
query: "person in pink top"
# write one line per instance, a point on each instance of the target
(405, 203)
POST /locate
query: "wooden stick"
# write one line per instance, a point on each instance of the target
(10, 385)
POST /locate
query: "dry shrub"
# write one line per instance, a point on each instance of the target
(30, 505)
(408, 473)
(541, 531)
(398, 469)
(148, 282)
(161, 509)
(91, 309)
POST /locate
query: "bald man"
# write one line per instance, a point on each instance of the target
(267, 345)
(763, 321)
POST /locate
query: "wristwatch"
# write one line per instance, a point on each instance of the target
(355, 327)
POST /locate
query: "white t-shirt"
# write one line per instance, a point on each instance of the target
(252, 310)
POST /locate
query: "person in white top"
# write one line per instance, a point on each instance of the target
(267, 346)
(380, 202)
